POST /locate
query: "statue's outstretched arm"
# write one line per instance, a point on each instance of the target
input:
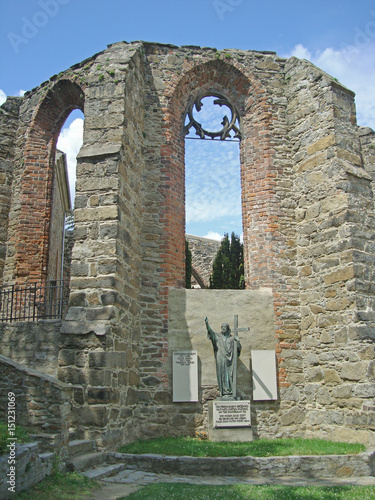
(209, 329)
(207, 325)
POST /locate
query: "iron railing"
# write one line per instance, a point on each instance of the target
(33, 301)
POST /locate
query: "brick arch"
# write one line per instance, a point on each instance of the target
(251, 99)
(31, 237)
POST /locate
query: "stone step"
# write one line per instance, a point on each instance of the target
(103, 471)
(80, 446)
(46, 441)
(83, 462)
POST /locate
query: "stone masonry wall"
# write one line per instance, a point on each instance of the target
(253, 82)
(308, 220)
(332, 394)
(27, 476)
(101, 334)
(203, 253)
(35, 345)
(8, 126)
(43, 404)
(43, 111)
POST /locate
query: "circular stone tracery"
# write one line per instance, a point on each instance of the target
(229, 126)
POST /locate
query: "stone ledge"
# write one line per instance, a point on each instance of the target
(85, 327)
(34, 373)
(304, 466)
(94, 151)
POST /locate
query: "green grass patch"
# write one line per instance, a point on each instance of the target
(20, 433)
(240, 492)
(193, 447)
(59, 486)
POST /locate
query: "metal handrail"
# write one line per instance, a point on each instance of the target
(33, 301)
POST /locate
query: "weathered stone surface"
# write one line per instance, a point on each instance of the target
(43, 403)
(319, 467)
(352, 371)
(307, 179)
(294, 416)
(203, 253)
(35, 345)
(93, 416)
(26, 476)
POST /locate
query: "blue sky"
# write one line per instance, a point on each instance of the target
(40, 38)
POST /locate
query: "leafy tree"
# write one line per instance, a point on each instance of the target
(188, 265)
(228, 266)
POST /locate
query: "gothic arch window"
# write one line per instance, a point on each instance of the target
(212, 129)
(32, 235)
(226, 84)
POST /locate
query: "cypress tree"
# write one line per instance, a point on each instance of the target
(228, 266)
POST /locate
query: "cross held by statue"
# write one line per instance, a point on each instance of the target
(235, 335)
(236, 329)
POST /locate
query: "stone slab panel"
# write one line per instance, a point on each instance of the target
(231, 414)
(264, 375)
(185, 376)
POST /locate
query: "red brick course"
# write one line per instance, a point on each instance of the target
(31, 237)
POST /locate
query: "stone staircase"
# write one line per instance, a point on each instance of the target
(87, 460)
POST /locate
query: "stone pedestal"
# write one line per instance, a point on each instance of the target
(229, 421)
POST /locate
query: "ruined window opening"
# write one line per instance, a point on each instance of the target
(212, 169)
(68, 144)
(70, 141)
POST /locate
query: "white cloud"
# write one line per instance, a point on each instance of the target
(301, 52)
(210, 116)
(70, 142)
(3, 97)
(212, 235)
(354, 68)
(212, 181)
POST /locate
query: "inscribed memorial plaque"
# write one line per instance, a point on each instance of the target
(185, 376)
(264, 375)
(231, 414)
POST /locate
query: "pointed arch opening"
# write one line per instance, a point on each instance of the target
(224, 83)
(38, 191)
(212, 178)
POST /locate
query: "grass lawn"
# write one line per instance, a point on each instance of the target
(20, 433)
(260, 448)
(58, 486)
(73, 486)
(240, 492)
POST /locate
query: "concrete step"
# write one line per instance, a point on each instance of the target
(81, 446)
(103, 471)
(85, 461)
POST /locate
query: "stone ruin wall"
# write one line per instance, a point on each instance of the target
(203, 253)
(8, 125)
(307, 174)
